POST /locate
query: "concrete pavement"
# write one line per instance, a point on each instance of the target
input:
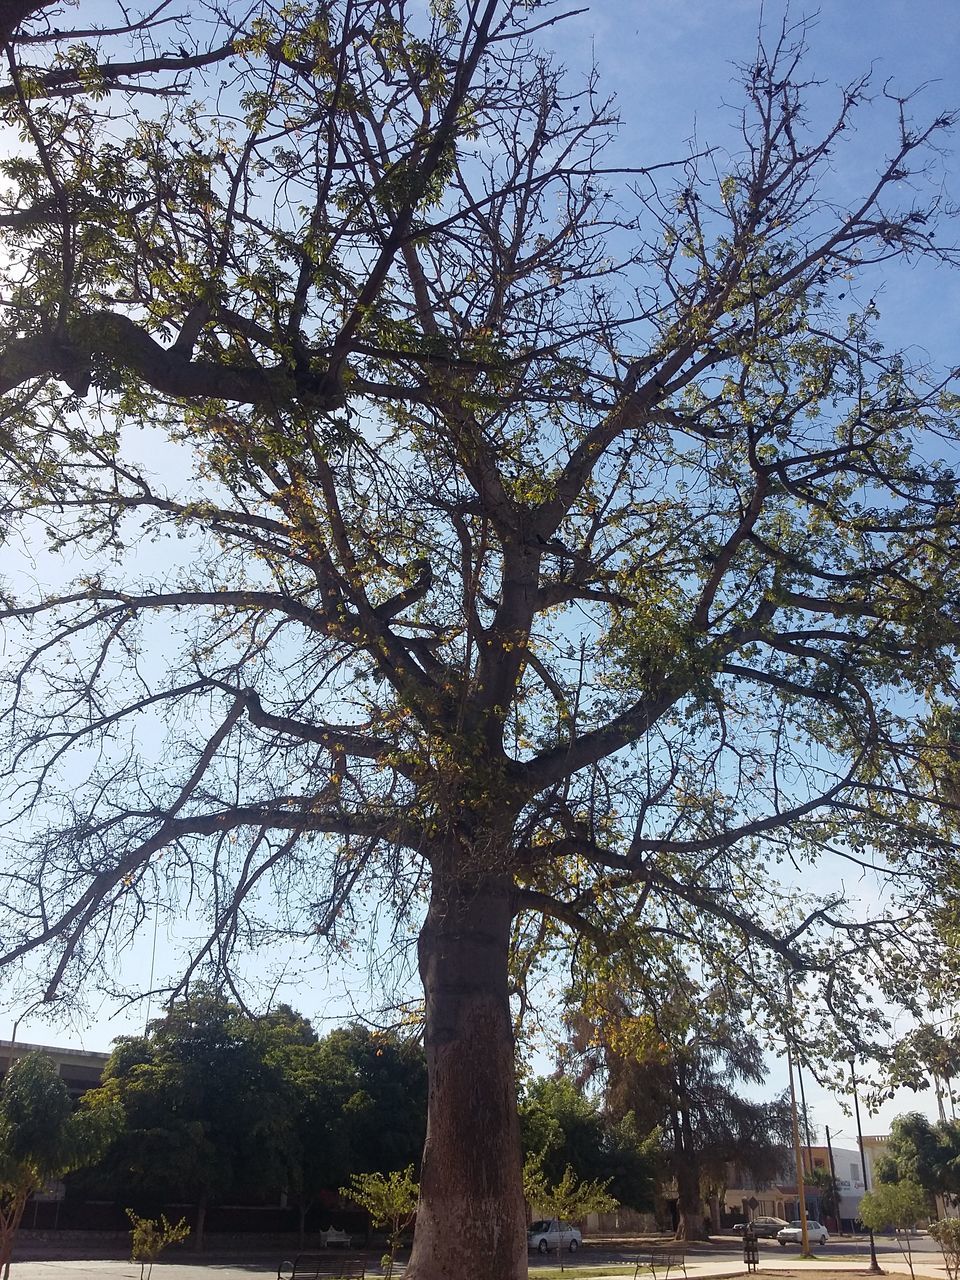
(74, 1269)
(927, 1264)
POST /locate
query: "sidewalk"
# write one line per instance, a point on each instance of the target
(927, 1265)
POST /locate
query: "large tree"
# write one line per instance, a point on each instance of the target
(675, 1055)
(544, 550)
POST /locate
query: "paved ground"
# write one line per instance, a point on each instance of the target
(840, 1260)
(782, 1269)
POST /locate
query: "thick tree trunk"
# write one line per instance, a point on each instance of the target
(471, 1222)
(690, 1225)
(689, 1204)
(714, 1203)
(200, 1228)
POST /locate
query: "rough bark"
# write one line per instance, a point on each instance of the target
(14, 12)
(690, 1223)
(689, 1206)
(714, 1206)
(200, 1229)
(471, 1223)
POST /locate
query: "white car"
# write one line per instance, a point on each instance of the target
(549, 1234)
(793, 1234)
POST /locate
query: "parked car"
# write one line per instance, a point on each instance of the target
(549, 1234)
(765, 1226)
(793, 1234)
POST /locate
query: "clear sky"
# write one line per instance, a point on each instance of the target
(671, 65)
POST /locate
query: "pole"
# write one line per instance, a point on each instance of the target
(874, 1264)
(806, 1118)
(798, 1158)
(833, 1179)
(938, 1090)
(31, 1008)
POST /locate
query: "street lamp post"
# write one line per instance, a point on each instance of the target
(795, 1125)
(31, 1008)
(835, 1185)
(874, 1264)
(798, 1160)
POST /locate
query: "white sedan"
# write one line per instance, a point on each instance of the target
(793, 1234)
(549, 1234)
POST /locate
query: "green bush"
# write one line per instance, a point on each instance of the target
(150, 1236)
(946, 1232)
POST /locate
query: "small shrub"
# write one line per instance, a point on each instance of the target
(150, 1236)
(390, 1200)
(946, 1232)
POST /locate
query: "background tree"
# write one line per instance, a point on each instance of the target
(319, 1151)
(561, 1129)
(219, 1103)
(671, 1052)
(42, 1138)
(207, 1112)
(360, 1106)
(824, 1184)
(923, 1153)
(385, 1098)
(541, 563)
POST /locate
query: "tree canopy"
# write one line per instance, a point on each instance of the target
(42, 1137)
(562, 1129)
(221, 1104)
(206, 1110)
(673, 1056)
(923, 1153)
(544, 550)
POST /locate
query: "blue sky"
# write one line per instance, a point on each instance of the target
(671, 67)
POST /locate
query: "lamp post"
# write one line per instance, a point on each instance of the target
(835, 1185)
(874, 1264)
(31, 1008)
(798, 1160)
(795, 1125)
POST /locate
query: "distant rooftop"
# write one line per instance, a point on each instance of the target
(79, 1069)
(20, 1047)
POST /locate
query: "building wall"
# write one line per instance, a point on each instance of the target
(875, 1147)
(779, 1199)
(79, 1069)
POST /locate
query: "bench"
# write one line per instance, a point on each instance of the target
(307, 1266)
(666, 1259)
(335, 1236)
